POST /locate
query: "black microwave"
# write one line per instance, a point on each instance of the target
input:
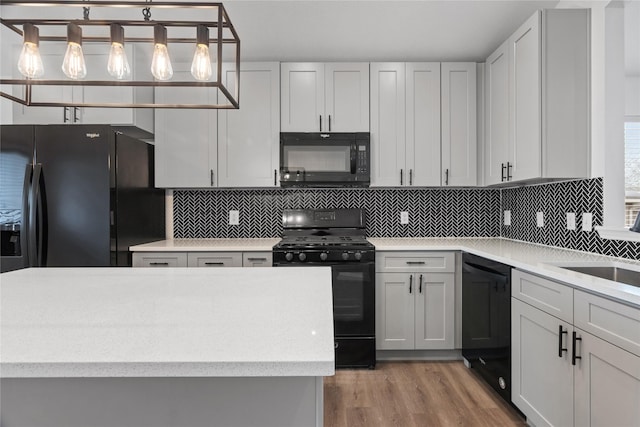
(325, 159)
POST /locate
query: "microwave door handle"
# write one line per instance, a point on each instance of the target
(353, 158)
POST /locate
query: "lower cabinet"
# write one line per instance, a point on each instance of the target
(202, 259)
(566, 376)
(415, 301)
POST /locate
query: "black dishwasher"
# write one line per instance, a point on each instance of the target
(486, 320)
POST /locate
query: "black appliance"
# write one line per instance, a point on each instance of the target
(75, 196)
(336, 238)
(486, 320)
(325, 159)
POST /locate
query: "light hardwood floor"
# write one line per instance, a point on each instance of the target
(406, 394)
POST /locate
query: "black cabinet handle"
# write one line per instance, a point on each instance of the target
(257, 259)
(320, 122)
(212, 177)
(420, 288)
(329, 122)
(502, 178)
(574, 351)
(509, 166)
(560, 334)
(275, 177)
(446, 177)
(415, 262)
(159, 263)
(400, 176)
(410, 176)
(76, 114)
(217, 264)
(65, 119)
(410, 283)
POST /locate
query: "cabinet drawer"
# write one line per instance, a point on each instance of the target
(257, 259)
(214, 259)
(159, 259)
(436, 262)
(614, 322)
(547, 295)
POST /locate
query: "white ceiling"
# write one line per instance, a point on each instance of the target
(363, 30)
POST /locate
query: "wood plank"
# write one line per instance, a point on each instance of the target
(406, 394)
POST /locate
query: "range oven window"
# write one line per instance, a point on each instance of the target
(317, 158)
(353, 298)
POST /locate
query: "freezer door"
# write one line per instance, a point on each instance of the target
(16, 157)
(74, 207)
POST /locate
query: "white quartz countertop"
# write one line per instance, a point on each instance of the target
(170, 322)
(537, 259)
(207, 245)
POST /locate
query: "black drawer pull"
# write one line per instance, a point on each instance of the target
(560, 334)
(410, 283)
(415, 262)
(159, 263)
(257, 259)
(420, 288)
(574, 352)
(214, 263)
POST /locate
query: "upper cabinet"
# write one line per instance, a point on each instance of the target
(423, 124)
(537, 103)
(249, 138)
(186, 140)
(325, 97)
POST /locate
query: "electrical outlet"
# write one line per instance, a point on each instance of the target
(507, 217)
(234, 217)
(540, 219)
(404, 217)
(587, 221)
(571, 221)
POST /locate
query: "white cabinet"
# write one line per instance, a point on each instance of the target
(319, 97)
(214, 259)
(538, 100)
(423, 124)
(186, 152)
(96, 62)
(202, 259)
(575, 356)
(459, 139)
(257, 259)
(415, 309)
(159, 259)
(249, 138)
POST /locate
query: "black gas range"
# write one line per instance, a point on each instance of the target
(336, 238)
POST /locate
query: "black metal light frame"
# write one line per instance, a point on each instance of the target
(220, 24)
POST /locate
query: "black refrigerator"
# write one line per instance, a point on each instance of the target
(76, 196)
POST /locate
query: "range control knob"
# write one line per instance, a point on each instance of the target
(323, 256)
(345, 255)
(358, 256)
(302, 256)
(288, 256)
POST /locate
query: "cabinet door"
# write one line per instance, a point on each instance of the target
(248, 138)
(607, 384)
(388, 125)
(257, 259)
(214, 259)
(346, 97)
(496, 115)
(435, 311)
(302, 97)
(185, 144)
(159, 259)
(395, 311)
(423, 153)
(524, 69)
(459, 141)
(542, 380)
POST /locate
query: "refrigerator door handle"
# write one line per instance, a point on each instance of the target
(25, 225)
(32, 248)
(39, 230)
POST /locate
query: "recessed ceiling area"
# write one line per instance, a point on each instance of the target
(376, 30)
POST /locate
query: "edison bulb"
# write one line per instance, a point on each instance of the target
(161, 63)
(73, 65)
(30, 62)
(118, 65)
(201, 65)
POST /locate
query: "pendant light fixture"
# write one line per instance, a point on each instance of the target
(201, 65)
(118, 65)
(161, 63)
(30, 62)
(197, 28)
(73, 65)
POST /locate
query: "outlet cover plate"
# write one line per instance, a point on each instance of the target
(507, 217)
(404, 217)
(234, 217)
(587, 221)
(571, 221)
(540, 219)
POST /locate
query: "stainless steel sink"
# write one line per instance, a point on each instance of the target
(617, 274)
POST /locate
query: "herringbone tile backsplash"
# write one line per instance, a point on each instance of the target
(433, 212)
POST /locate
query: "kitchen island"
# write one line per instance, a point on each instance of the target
(165, 347)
